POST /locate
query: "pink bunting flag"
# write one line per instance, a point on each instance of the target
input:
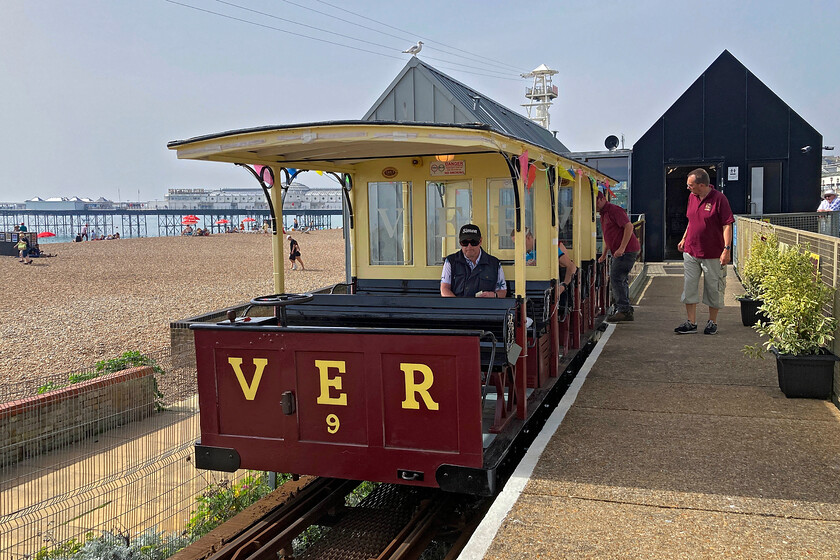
(266, 177)
(523, 165)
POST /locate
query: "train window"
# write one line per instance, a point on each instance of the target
(389, 208)
(501, 217)
(448, 207)
(564, 216)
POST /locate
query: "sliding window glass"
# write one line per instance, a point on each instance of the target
(389, 209)
(501, 217)
(565, 197)
(448, 207)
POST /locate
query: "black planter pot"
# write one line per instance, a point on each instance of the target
(750, 315)
(806, 377)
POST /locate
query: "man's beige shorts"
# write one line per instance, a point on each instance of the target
(714, 281)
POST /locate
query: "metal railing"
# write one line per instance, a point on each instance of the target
(125, 480)
(826, 223)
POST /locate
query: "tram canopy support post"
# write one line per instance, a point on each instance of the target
(277, 237)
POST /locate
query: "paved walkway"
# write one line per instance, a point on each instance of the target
(676, 447)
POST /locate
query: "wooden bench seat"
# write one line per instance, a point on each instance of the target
(420, 312)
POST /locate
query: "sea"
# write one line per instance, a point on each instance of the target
(152, 229)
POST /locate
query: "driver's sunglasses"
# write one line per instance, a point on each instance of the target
(473, 242)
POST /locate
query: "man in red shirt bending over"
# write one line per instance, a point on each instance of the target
(621, 241)
(707, 249)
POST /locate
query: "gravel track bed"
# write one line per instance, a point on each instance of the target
(98, 299)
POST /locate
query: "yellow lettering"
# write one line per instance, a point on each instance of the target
(327, 383)
(250, 391)
(412, 388)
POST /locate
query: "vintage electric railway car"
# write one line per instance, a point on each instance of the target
(380, 378)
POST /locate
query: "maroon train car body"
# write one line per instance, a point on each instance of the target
(381, 407)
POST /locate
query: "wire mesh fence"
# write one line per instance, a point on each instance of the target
(825, 223)
(111, 455)
(825, 247)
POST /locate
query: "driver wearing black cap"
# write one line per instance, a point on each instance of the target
(471, 272)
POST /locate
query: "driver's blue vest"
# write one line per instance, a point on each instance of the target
(482, 278)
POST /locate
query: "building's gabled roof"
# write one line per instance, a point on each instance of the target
(423, 94)
(728, 60)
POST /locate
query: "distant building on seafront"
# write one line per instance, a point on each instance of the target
(69, 203)
(830, 174)
(298, 196)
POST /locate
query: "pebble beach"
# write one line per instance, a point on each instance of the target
(98, 299)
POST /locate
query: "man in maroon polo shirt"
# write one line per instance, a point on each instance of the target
(621, 242)
(707, 249)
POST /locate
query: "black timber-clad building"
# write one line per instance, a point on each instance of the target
(762, 155)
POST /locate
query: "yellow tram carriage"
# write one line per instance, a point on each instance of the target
(380, 378)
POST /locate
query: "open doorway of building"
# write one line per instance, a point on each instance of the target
(676, 203)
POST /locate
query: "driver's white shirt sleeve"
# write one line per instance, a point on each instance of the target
(501, 284)
(446, 274)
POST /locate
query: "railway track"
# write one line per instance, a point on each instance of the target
(391, 523)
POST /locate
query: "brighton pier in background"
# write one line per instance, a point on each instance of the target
(217, 210)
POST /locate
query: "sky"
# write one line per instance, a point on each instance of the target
(91, 91)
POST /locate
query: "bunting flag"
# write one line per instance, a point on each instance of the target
(266, 177)
(531, 177)
(523, 165)
(566, 174)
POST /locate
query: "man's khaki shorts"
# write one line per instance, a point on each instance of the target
(714, 281)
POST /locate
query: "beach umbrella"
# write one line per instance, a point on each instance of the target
(189, 222)
(249, 220)
(46, 234)
(222, 221)
(191, 217)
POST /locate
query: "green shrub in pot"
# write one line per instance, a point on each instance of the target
(762, 258)
(794, 300)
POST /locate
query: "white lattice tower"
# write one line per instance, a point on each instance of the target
(541, 94)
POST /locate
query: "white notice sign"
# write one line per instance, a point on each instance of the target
(733, 174)
(438, 168)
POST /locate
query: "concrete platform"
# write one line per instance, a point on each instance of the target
(676, 447)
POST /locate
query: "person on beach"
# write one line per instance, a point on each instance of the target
(621, 242)
(706, 246)
(85, 232)
(471, 272)
(294, 254)
(24, 247)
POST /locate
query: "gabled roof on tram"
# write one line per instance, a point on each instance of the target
(422, 93)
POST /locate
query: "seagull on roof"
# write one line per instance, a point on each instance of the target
(414, 49)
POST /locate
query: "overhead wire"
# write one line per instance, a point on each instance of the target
(279, 29)
(410, 33)
(247, 9)
(335, 43)
(401, 38)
